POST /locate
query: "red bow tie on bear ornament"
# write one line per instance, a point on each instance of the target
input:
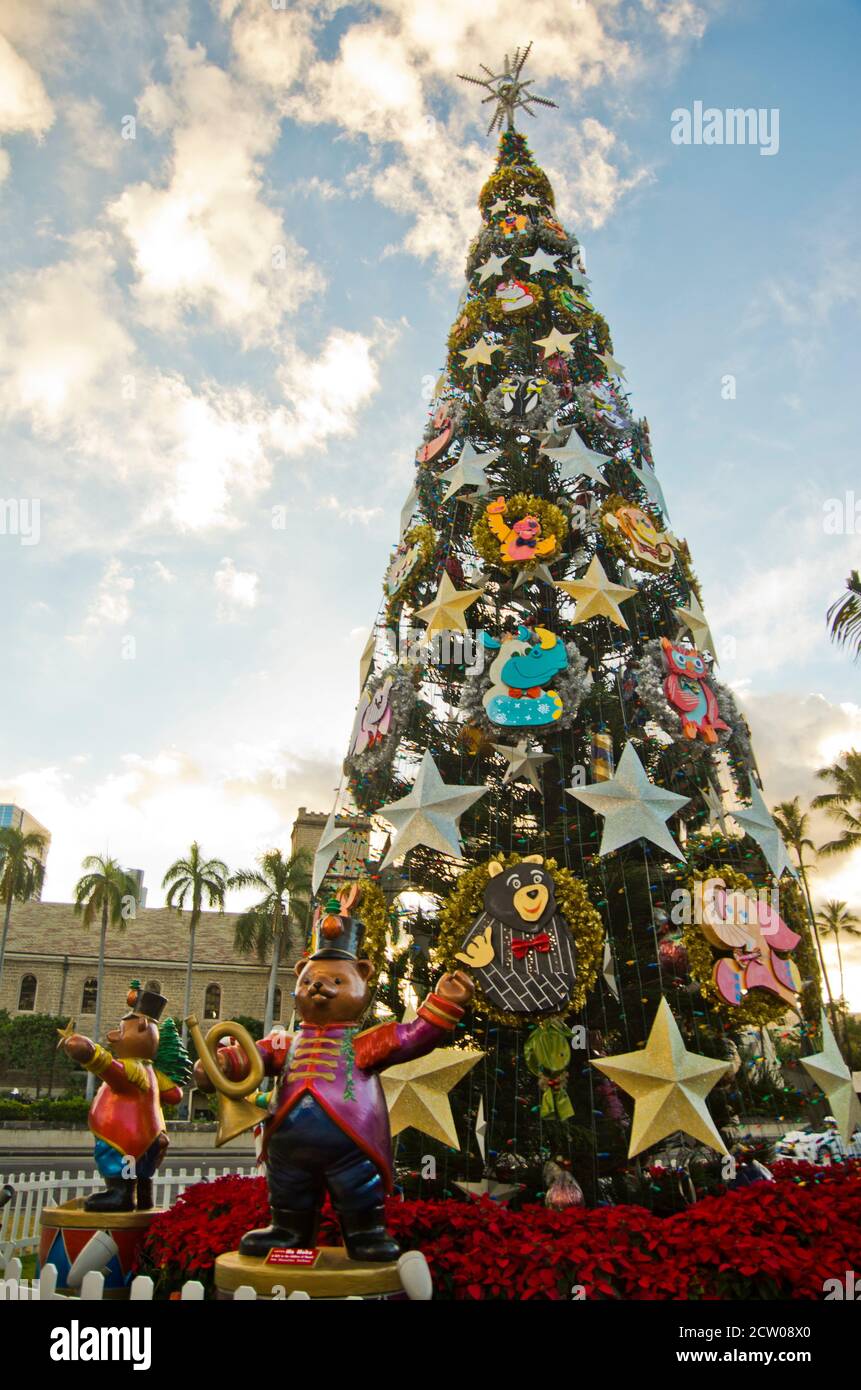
(522, 945)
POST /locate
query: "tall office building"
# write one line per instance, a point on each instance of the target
(19, 819)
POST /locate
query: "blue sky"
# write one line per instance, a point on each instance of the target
(241, 309)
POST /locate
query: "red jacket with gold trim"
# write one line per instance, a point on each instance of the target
(338, 1066)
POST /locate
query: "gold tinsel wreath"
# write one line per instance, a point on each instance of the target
(424, 536)
(509, 182)
(759, 1007)
(466, 325)
(553, 523)
(373, 909)
(466, 903)
(495, 312)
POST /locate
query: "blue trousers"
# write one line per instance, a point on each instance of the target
(110, 1161)
(308, 1154)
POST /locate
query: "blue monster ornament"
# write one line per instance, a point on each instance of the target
(524, 667)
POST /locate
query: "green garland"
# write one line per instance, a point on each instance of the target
(759, 1007)
(466, 903)
(553, 523)
(425, 537)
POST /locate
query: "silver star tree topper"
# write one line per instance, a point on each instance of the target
(506, 89)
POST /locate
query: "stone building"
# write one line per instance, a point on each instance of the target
(52, 960)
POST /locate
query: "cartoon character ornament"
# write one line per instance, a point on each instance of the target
(754, 930)
(513, 223)
(512, 295)
(520, 949)
(523, 667)
(440, 431)
(642, 539)
(373, 718)
(521, 399)
(328, 1128)
(522, 541)
(687, 689)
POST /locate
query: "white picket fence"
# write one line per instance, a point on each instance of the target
(44, 1288)
(20, 1218)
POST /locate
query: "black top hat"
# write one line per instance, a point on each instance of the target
(346, 945)
(149, 1004)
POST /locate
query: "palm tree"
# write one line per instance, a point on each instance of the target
(286, 886)
(200, 879)
(21, 872)
(844, 616)
(793, 823)
(844, 802)
(103, 891)
(836, 919)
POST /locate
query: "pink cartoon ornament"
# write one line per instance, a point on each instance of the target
(442, 426)
(688, 691)
(522, 541)
(373, 718)
(513, 295)
(754, 929)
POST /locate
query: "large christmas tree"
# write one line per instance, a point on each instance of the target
(541, 727)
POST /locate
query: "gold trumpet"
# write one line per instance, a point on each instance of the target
(235, 1114)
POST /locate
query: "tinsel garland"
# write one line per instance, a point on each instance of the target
(539, 416)
(650, 674)
(598, 418)
(759, 1007)
(510, 180)
(466, 902)
(425, 537)
(373, 910)
(571, 685)
(402, 702)
(497, 314)
(553, 520)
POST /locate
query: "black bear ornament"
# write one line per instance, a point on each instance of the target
(520, 949)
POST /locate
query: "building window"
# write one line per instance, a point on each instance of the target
(276, 1005)
(89, 995)
(212, 1002)
(27, 994)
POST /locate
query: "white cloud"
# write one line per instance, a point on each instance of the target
(325, 393)
(238, 590)
(111, 604)
(96, 143)
(64, 349)
(589, 195)
(348, 512)
(206, 240)
(24, 103)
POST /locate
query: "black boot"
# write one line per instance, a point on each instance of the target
(144, 1194)
(366, 1237)
(118, 1195)
(290, 1230)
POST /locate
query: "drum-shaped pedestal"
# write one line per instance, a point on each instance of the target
(77, 1241)
(327, 1272)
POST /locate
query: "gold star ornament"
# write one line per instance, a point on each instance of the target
(596, 595)
(64, 1033)
(669, 1086)
(831, 1074)
(447, 612)
(417, 1092)
(555, 342)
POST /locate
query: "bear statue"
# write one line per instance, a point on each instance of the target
(520, 949)
(328, 1126)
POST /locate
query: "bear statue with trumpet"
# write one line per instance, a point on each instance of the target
(328, 1125)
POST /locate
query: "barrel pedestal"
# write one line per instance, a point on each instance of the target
(325, 1273)
(76, 1241)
